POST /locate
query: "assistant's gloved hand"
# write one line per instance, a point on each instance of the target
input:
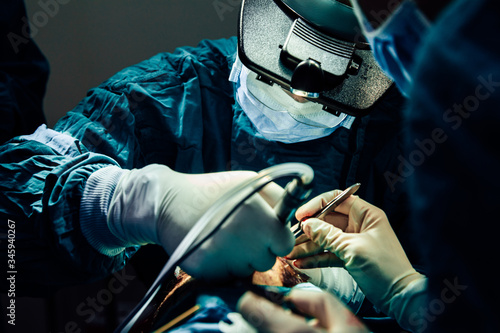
(359, 237)
(328, 313)
(338, 282)
(158, 205)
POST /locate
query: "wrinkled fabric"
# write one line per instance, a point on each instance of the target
(41, 187)
(178, 109)
(172, 109)
(453, 125)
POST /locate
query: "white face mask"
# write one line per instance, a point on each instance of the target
(276, 115)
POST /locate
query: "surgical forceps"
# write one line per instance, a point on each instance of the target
(330, 206)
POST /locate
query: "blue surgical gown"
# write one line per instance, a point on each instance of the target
(454, 123)
(176, 109)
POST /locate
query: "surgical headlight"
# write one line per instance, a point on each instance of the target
(314, 49)
(308, 79)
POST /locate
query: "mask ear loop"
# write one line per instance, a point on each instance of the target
(295, 193)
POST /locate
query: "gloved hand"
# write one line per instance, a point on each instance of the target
(158, 205)
(359, 237)
(338, 282)
(329, 313)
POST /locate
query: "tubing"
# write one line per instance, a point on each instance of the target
(295, 193)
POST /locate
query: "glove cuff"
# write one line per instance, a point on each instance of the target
(137, 203)
(337, 281)
(95, 202)
(404, 306)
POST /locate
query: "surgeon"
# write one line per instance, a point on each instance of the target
(142, 157)
(78, 215)
(444, 56)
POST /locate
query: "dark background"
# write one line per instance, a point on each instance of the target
(86, 42)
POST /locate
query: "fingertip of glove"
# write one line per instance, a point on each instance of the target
(303, 263)
(309, 225)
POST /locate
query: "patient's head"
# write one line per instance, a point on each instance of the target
(281, 274)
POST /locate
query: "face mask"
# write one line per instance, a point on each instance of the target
(276, 115)
(395, 42)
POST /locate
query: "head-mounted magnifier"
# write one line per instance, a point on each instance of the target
(314, 49)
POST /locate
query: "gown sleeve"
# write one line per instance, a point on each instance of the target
(55, 184)
(43, 177)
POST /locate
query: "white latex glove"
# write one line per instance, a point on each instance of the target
(337, 281)
(158, 205)
(358, 236)
(328, 313)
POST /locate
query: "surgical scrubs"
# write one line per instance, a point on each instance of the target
(454, 123)
(176, 109)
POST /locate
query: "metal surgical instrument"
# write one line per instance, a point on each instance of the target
(330, 206)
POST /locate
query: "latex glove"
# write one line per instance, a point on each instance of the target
(339, 282)
(158, 205)
(359, 237)
(328, 313)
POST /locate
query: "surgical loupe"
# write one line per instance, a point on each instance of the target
(296, 191)
(314, 49)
